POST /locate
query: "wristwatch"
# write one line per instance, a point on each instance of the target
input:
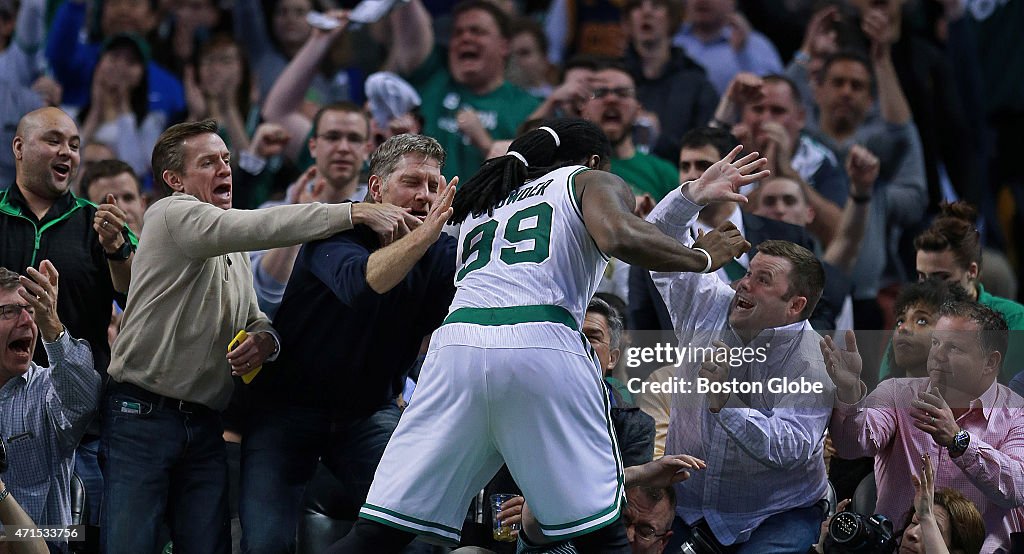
(121, 254)
(960, 443)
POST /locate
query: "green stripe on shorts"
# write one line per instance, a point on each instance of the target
(443, 532)
(513, 315)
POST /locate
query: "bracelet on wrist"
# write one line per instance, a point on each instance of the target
(3, 495)
(707, 268)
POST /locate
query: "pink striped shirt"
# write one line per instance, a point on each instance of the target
(990, 473)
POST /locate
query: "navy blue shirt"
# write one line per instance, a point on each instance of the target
(343, 346)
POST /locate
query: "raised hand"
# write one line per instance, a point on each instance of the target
(441, 210)
(745, 88)
(40, 292)
(844, 367)
(723, 180)
(820, 37)
(878, 26)
(194, 97)
(269, 140)
(862, 167)
(924, 488)
(108, 223)
(723, 244)
(933, 416)
(740, 30)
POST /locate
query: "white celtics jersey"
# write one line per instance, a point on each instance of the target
(534, 250)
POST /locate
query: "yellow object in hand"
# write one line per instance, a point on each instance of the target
(239, 339)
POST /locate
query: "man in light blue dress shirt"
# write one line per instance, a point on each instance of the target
(762, 442)
(43, 410)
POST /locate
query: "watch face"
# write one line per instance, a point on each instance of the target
(961, 440)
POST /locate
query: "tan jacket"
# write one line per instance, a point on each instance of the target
(191, 291)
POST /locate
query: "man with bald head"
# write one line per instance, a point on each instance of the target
(40, 218)
(89, 245)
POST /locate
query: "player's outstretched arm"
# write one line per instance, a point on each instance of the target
(608, 203)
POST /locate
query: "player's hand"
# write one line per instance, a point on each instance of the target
(663, 472)
(644, 205)
(723, 180)
(723, 244)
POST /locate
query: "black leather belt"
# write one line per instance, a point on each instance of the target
(157, 400)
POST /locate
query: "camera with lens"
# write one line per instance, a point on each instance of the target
(853, 533)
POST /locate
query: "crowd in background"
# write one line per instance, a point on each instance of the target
(891, 129)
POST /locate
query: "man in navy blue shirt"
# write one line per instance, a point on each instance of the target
(352, 320)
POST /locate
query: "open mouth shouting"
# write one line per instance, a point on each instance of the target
(743, 304)
(222, 195)
(19, 348)
(61, 171)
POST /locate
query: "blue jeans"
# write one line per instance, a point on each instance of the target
(87, 466)
(280, 450)
(356, 447)
(161, 461)
(789, 532)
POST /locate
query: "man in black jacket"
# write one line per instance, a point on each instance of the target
(672, 87)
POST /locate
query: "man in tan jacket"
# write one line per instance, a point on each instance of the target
(191, 292)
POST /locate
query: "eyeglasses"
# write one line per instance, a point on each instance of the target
(13, 311)
(336, 137)
(700, 165)
(621, 92)
(646, 532)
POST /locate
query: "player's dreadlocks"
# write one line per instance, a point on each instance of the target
(556, 143)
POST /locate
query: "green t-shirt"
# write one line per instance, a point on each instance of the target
(1013, 313)
(501, 111)
(646, 173)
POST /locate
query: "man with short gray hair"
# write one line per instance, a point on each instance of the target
(171, 372)
(43, 410)
(354, 315)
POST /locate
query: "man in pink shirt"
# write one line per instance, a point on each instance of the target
(972, 427)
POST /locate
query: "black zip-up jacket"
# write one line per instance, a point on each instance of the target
(65, 237)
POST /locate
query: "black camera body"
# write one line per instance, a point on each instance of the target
(853, 533)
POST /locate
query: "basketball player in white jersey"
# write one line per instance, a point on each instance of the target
(508, 376)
